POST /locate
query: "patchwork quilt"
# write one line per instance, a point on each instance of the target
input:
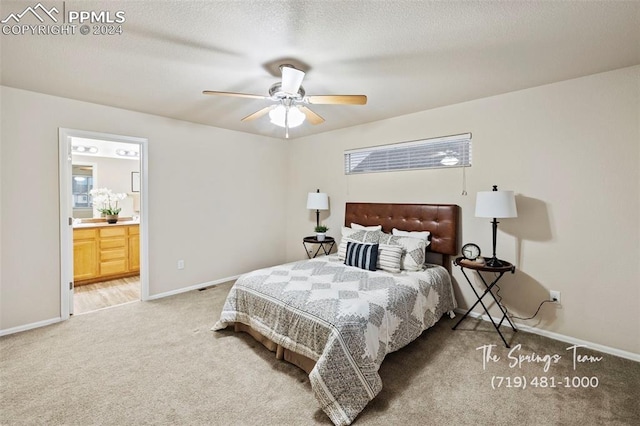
(345, 318)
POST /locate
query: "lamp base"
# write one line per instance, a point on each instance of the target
(494, 262)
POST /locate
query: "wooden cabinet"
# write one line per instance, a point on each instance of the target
(113, 251)
(85, 253)
(105, 252)
(134, 248)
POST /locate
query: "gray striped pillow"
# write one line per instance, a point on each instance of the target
(389, 258)
(363, 256)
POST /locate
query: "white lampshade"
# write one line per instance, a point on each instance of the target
(496, 204)
(277, 116)
(317, 201)
(291, 80)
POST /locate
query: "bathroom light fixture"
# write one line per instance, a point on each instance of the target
(84, 149)
(495, 204)
(125, 153)
(317, 201)
(278, 116)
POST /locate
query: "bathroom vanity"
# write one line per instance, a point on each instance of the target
(103, 251)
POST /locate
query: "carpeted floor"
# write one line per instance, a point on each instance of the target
(158, 363)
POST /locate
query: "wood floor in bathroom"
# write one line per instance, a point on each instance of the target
(96, 296)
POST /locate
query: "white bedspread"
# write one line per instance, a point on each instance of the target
(345, 318)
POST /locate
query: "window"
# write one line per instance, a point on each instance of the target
(82, 184)
(447, 151)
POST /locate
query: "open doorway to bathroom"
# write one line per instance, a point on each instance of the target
(102, 190)
(106, 256)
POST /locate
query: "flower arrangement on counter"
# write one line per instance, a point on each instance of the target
(106, 201)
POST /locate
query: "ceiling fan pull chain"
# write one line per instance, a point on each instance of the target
(286, 122)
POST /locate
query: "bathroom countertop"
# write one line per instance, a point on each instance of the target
(104, 224)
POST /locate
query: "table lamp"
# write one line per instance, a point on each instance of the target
(317, 201)
(495, 204)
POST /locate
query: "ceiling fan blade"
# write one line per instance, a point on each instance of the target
(233, 94)
(258, 113)
(337, 99)
(291, 79)
(311, 116)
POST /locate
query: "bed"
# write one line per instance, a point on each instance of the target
(337, 322)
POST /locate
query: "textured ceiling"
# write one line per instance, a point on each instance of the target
(406, 56)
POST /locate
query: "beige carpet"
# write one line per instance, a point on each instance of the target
(158, 363)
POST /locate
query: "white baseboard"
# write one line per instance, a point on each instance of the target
(44, 323)
(561, 337)
(31, 326)
(193, 287)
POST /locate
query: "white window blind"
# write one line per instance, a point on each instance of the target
(446, 151)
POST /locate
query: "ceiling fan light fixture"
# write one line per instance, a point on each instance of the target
(278, 114)
(291, 79)
(449, 160)
(290, 98)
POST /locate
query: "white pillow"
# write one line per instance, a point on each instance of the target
(413, 249)
(356, 236)
(361, 235)
(423, 235)
(366, 228)
(389, 258)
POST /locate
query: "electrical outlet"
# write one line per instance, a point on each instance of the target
(554, 295)
(180, 264)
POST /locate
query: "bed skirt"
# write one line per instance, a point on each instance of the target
(301, 361)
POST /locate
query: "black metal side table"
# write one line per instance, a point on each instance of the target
(501, 270)
(325, 245)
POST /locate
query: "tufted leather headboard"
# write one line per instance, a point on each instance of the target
(440, 219)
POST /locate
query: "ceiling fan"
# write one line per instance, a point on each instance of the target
(290, 108)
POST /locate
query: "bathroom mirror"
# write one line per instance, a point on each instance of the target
(82, 183)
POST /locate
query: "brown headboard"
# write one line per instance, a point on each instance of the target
(439, 219)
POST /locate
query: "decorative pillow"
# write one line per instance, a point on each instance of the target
(413, 250)
(366, 228)
(361, 235)
(363, 256)
(356, 236)
(389, 258)
(423, 235)
(342, 248)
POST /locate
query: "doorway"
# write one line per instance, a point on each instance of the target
(102, 264)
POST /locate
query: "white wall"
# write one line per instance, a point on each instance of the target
(202, 200)
(569, 150)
